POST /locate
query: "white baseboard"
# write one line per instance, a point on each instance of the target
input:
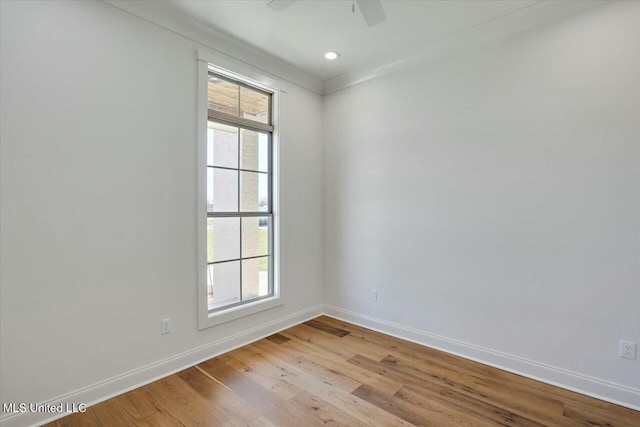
(583, 384)
(607, 391)
(133, 379)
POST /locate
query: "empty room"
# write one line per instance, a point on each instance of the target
(319, 212)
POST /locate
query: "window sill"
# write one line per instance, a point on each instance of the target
(224, 316)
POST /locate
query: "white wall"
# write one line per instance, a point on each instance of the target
(493, 197)
(98, 188)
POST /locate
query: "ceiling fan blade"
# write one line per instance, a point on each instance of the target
(372, 11)
(280, 4)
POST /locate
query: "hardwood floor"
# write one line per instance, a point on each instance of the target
(327, 372)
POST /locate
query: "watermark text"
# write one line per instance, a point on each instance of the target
(48, 408)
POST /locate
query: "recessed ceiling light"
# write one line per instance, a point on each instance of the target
(331, 55)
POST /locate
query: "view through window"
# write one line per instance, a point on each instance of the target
(240, 224)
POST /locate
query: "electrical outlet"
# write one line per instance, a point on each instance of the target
(628, 349)
(165, 326)
(373, 295)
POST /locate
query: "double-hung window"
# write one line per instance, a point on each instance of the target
(240, 225)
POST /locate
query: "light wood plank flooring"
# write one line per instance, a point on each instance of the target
(328, 372)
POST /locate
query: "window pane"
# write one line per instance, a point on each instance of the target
(255, 278)
(255, 236)
(254, 105)
(222, 190)
(254, 196)
(223, 96)
(222, 145)
(223, 284)
(254, 147)
(209, 190)
(223, 239)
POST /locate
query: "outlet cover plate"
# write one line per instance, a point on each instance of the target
(628, 349)
(165, 326)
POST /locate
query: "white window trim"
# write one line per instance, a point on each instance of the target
(229, 67)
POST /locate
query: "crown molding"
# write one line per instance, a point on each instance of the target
(521, 20)
(537, 15)
(163, 15)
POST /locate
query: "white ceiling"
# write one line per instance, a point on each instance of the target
(291, 43)
(302, 33)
